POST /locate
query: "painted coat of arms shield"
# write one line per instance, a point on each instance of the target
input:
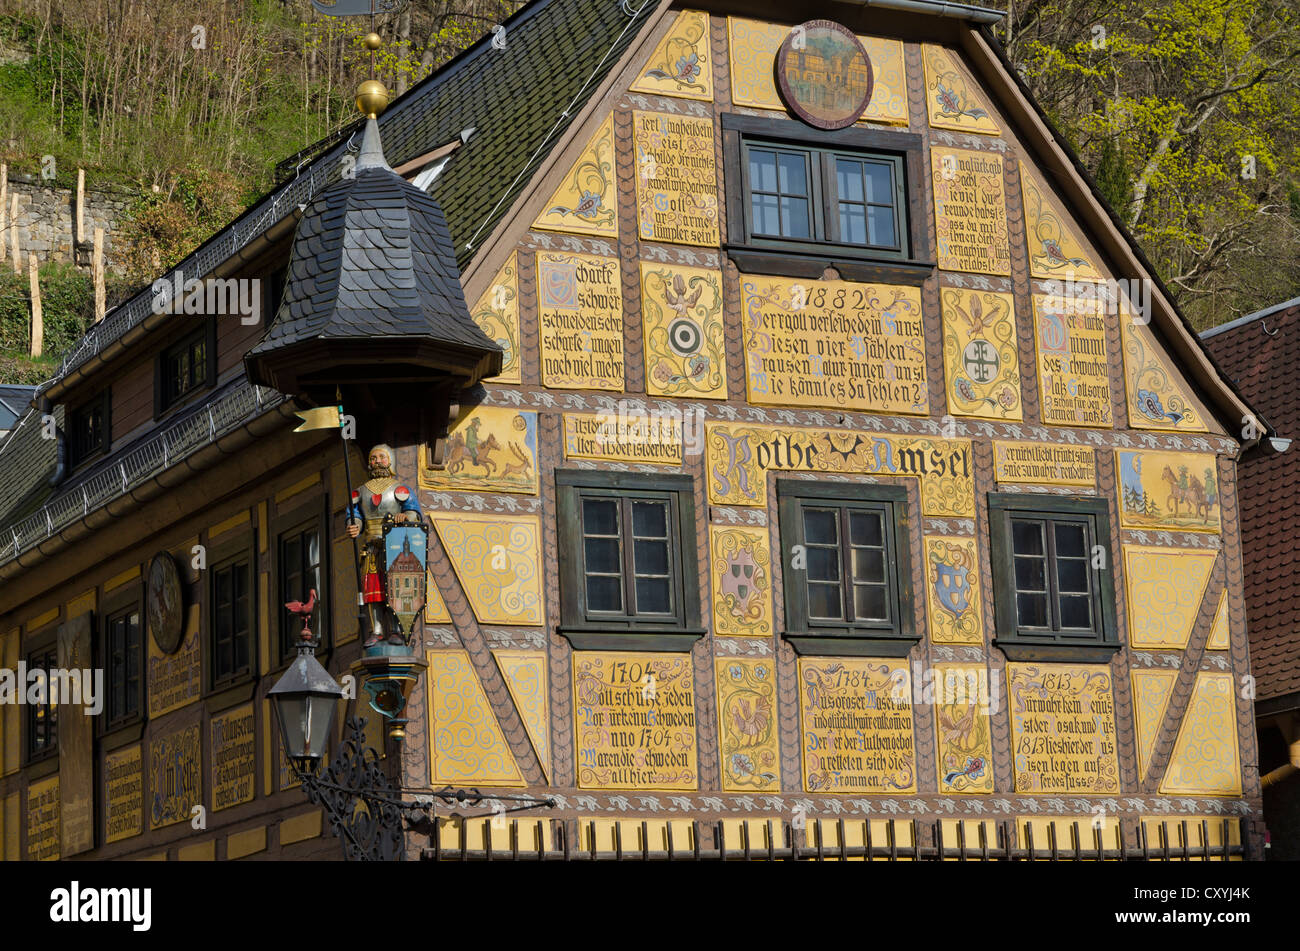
(952, 587)
(406, 554)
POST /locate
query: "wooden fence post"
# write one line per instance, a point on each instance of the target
(81, 206)
(13, 233)
(97, 270)
(4, 207)
(38, 323)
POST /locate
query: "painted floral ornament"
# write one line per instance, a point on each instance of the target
(1151, 407)
(687, 68)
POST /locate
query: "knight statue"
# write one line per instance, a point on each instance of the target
(383, 500)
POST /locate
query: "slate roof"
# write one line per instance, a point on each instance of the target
(371, 258)
(1260, 352)
(13, 403)
(520, 99)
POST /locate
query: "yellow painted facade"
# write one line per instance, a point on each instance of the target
(488, 450)
(750, 754)
(834, 344)
(467, 744)
(981, 369)
(497, 561)
(681, 313)
(953, 100)
(497, 315)
(970, 211)
(635, 721)
(1165, 590)
(741, 569)
(682, 64)
(585, 203)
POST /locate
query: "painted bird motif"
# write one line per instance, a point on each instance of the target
(752, 723)
(950, 104)
(958, 728)
(677, 297)
(1058, 258)
(588, 206)
(975, 316)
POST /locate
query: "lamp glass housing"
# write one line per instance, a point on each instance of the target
(306, 700)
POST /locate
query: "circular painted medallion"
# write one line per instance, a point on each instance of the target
(824, 74)
(165, 603)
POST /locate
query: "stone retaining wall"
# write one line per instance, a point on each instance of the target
(45, 223)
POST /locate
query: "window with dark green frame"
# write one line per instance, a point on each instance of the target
(825, 196)
(230, 617)
(627, 557)
(1052, 576)
(800, 200)
(846, 567)
(43, 717)
(123, 664)
(299, 566)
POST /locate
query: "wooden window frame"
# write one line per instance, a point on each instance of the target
(41, 645)
(586, 631)
(77, 454)
(113, 607)
(312, 514)
(162, 405)
(861, 639)
(809, 258)
(1039, 644)
(823, 199)
(237, 685)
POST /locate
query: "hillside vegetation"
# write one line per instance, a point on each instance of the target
(1187, 112)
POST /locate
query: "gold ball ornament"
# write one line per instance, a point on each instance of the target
(372, 98)
(372, 41)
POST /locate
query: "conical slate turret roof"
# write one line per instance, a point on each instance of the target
(373, 285)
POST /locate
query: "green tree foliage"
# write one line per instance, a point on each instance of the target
(200, 203)
(193, 105)
(207, 95)
(67, 308)
(1188, 114)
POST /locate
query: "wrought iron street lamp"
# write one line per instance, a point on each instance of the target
(306, 699)
(365, 808)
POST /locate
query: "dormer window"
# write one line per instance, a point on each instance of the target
(186, 367)
(87, 430)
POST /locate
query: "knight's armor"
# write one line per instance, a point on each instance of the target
(380, 497)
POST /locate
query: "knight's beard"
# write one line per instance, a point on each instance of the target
(377, 472)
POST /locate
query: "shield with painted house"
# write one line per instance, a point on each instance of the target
(406, 550)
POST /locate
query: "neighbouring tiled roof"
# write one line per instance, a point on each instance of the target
(520, 98)
(13, 403)
(1260, 352)
(372, 258)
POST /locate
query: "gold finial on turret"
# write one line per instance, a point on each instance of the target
(372, 41)
(372, 98)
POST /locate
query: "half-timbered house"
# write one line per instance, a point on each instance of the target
(809, 459)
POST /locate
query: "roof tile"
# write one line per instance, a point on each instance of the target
(1258, 354)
